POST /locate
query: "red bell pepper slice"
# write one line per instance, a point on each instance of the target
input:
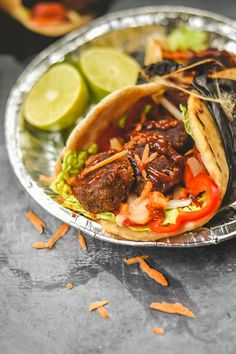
(202, 183)
(156, 226)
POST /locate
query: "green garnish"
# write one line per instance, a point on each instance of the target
(184, 113)
(139, 228)
(170, 216)
(147, 108)
(106, 215)
(185, 38)
(122, 121)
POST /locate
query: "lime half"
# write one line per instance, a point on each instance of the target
(108, 70)
(58, 98)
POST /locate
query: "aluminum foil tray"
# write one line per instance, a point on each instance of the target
(33, 152)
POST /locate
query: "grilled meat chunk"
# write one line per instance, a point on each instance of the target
(170, 128)
(106, 187)
(164, 171)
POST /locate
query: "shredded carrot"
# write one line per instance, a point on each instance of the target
(145, 154)
(95, 305)
(39, 245)
(103, 163)
(35, 221)
(189, 152)
(82, 241)
(134, 260)
(157, 200)
(104, 314)
(158, 330)
(176, 308)
(143, 118)
(152, 156)
(46, 179)
(58, 234)
(146, 190)
(152, 273)
(69, 286)
(71, 181)
(138, 127)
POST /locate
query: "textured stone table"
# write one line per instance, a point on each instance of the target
(38, 315)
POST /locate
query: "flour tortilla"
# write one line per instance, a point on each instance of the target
(205, 134)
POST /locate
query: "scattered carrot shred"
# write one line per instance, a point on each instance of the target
(46, 179)
(104, 314)
(103, 163)
(36, 221)
(95, 305)
(82, 241)
(152, 273)
(39, 245)
(175, 308)
(69, 286)
(58, 234)
(134, 260)
(158, 330)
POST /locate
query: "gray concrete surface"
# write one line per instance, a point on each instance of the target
(38, 315)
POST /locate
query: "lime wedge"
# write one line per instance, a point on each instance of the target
(108, 70)
(58, 98)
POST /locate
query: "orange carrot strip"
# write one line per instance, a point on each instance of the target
(189, 152)
(39, 245)
(103, 312)
(158, 330)
(95, 305)
(152, 273)
(69, 286)
(146, 190)
(58, 234)
(46, 179)
(134, 260)
(103, 163)
(176, 308)
(145, 154)
(82, 241)
(35, 221)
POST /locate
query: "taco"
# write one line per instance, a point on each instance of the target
(149, 162)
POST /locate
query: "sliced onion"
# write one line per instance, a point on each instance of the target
(138, 212)
(195, 165)
(171, 108)
(178, 203)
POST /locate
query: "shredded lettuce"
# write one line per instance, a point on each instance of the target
(139, 228)
(185, 38)
(184, 113)
(122, 121)
(106, 215)
(147, 108)
(172, 214)
(73, 204)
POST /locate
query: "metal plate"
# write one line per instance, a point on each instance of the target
(33, 152)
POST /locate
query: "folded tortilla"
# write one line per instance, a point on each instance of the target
(205, 134)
